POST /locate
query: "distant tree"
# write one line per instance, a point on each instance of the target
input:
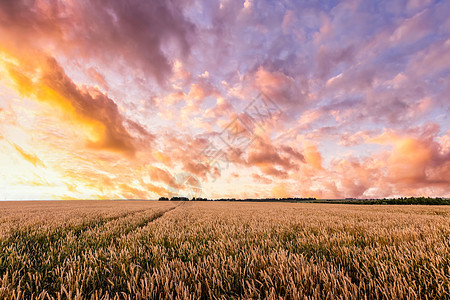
(179, 199)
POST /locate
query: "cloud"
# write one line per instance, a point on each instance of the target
(307, 118)
(417, 159)
(357, 138)
(96, 113)
(141, 35)
(412, 29)
(130, 192)
(327, 59)
(161, 157)
(313, 156)
(297, 155)
(201, 90)
(281, 190)
(160, 191)
(157, 174)
(188, 153)
(273, 160)
(282, 88)
(194, 99)
(97, 77)
(433, 59)
(31, 158)
(223, 108)
(261, 179)
(267, 156)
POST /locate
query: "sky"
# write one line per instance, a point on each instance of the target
(142, 99)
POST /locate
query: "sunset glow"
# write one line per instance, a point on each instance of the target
(219, 99)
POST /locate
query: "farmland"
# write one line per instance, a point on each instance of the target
(153, 249)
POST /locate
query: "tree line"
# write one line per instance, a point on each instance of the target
(234, 199)
(384, 201)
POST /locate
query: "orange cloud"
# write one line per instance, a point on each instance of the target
(269, 159)
(129, 192)
(307, 118)
(161, 157)
(157, 174)
(312, 155)
(201, 90)
(157, 190)
(194, 99)
(97, 115)
(415, 160)
(281, 190)
(31, 158)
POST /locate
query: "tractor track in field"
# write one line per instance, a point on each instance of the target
(32, 243)
(79, 229)
(156, 216)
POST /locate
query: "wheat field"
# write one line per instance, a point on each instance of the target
(223, 250)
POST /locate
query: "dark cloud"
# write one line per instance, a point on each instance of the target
(139, 34)
(328, 59)
(272, 160)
